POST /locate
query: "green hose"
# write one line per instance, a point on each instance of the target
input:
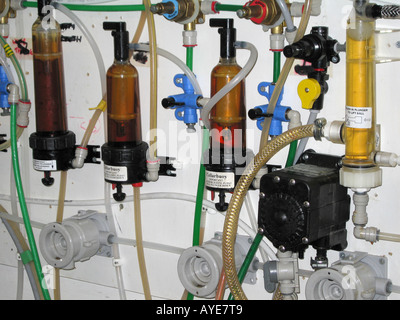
(82, 7)
(21, 196)
(291, 155)
(227, 7)
(277, 65)
(21, 78)
(249, 258)
(189, 57)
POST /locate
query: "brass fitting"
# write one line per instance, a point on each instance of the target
(263, 12)
(177, 10)
(10, 14)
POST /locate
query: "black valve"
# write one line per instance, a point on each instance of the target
(316, 47)
(320, 50)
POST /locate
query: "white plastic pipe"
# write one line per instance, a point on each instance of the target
(91, 41)
(174, 59)
(146, 196)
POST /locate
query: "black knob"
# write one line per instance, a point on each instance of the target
(168, 102)
(255, 113)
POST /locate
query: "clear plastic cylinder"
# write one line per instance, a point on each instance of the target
(50, 100)
(360, 136)
(228, 116)
(123, 105)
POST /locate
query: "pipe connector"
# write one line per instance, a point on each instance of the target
(189, 38)
(290, 35)
(209, 7)
(386, 159)
(80, 157)
(370, 234)
(153, 167)
(330, 130)
(17, 5)
(360, 216)
(13, 96)
(296, 8)
(294, 118)
(23, 113)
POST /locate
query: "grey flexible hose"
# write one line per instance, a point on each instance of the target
(20, 250)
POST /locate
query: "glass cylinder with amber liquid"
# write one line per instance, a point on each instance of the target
(360, 126)
(124, 153)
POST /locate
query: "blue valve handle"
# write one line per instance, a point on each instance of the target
(266, 89)
(4, 82)
(185, 104)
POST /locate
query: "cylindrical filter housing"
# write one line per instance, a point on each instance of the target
(52, 144)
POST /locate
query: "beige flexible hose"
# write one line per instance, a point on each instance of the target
(284, 74)
(59, 219)
(235, 204)
(139, 243)
(153, 81)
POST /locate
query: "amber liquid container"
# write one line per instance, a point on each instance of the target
(360, 136)
(228, 116)
(123, 105)
(50, 100)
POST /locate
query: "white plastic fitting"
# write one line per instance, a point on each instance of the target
(80, 156)
(288, 273)
(189, 38)
(360, 216)
(23, 113)
(277, 41)
(153, 166)
(257, 179)
(17, 4)
(386, 159)
(296, 8)
(4, 30)
(208, 7)
(369, 234)
(332, 131)
(294, 118)
(290, 35)
(13, 96)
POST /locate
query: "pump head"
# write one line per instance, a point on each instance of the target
(121, 39)
(228, 36)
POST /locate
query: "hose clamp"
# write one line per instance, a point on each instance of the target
(318, 130)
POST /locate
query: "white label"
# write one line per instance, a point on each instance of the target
(45, 165)
(220, 180)
(358, 118)
(115, 173)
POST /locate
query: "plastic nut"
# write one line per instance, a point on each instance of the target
(309, 90)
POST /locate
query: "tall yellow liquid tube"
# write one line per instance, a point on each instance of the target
(360, 138)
